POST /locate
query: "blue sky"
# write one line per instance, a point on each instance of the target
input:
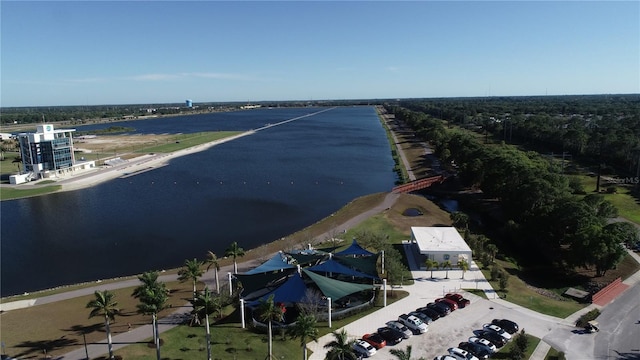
(139, 52)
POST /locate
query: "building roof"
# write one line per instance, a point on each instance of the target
(439, 239)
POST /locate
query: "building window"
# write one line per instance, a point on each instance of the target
(446, 257)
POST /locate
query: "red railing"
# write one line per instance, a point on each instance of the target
(418, 184)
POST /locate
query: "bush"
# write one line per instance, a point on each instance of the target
(584, 319)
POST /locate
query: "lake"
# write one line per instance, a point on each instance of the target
(253, 190)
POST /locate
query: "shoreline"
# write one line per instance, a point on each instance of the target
(132, 167)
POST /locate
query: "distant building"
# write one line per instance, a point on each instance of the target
(47, 153)
(440, 244)
(189, 103)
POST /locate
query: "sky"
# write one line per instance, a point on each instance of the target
(150, 52)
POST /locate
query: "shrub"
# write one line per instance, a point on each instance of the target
(584, 319)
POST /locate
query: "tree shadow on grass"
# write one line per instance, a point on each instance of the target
(82, 329)
(44, 346)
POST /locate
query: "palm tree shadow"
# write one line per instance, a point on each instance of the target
(81, 329)
(38, 347)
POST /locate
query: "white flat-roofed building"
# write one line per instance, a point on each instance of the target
(440, 244)
(47, 153)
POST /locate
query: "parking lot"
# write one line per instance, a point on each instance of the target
(451, 330)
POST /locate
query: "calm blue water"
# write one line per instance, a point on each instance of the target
(252, 190)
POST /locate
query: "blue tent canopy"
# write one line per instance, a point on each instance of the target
(332, 266)
(355, 249)
(292, 290)
(277, 262)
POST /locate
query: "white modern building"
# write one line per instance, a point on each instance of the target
(47, 153)
(440, 244)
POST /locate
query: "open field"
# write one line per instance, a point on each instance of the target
(627, 204)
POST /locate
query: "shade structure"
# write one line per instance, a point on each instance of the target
(291, 291)
(354, 249)
(335, 289)
(254, 282)
(277, 262)
(332, 266)
(365, 264)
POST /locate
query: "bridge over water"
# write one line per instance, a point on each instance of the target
(418, 184)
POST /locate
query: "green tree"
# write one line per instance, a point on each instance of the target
(340, 348)
(268, 311)
(463, 264)
(492, 250)
(503, 281)
(191, 271)
(153, 296)
(430, 264)
(460, 220)
(304, 328)
(402, 354)
(235, 252)
(105, 305)
(446, 265)
(203, 306)
(212, 261)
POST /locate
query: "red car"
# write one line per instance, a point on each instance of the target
(375, 340)
(450, 303)
(462, 302)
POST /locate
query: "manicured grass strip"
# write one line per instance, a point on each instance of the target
(505, 351)
(628, 206)
(519, 293)
(7, 193)
(184, 141)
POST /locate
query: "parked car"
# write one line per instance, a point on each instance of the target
(376, 340)
(363, 348)
(461, 354)
(442, 309)
(444, 357)
(478, 350)
(498, 330)
(484, 342)
(495, 338)
(422, 316)
(507, 325)
(461, 301)
(391, 336)
(450, 303)
(415, 324)
(406, 333)
(434, 315)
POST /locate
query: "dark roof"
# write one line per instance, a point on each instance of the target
(354, 249)
(332, 266)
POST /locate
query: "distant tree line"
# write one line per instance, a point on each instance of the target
(605, 128)
(539, 213)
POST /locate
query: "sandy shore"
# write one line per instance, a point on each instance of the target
(130, 167)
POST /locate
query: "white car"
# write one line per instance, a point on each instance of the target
(364, 348)
(498, 330)
(406, 333)
(416, 325)
(444, 357)
(461, 354)
(484, 342)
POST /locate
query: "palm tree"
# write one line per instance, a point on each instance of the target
(105, 305)
(446, 265)
(202, 308)
(269, 311)
(341, 348)
(305, 327)
(153, 296)
(192, 270)
(492, 249)
(402, 354)
(430, 264)
(463, 265)
(212, 260)
(235, 252)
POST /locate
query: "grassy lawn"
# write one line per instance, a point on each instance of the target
(58, 327)
(7, 193)
(628, 206)
(230, 341)
(519, 293)
(554, 354)
(505, 351)
(183, 141)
